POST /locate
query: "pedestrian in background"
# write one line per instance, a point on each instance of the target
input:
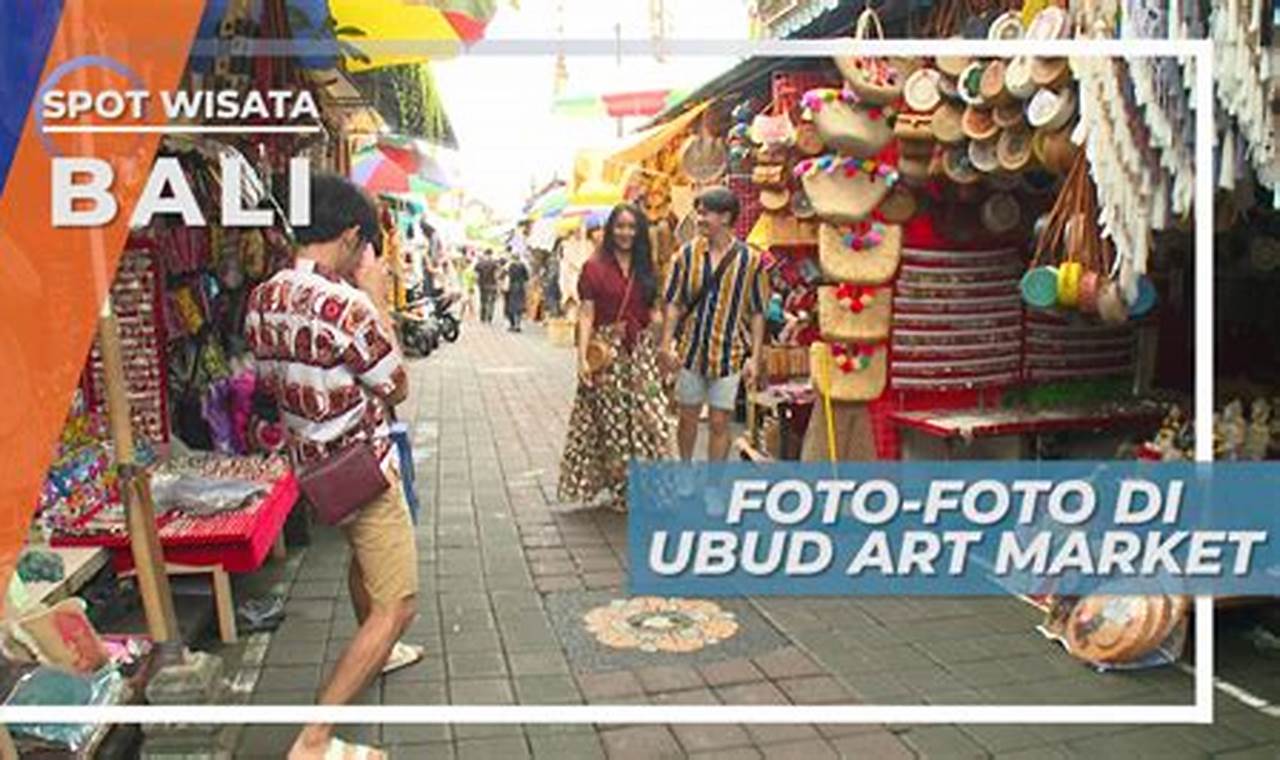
(487, 280)
(467, 275)
(517, 281)
(620, 412)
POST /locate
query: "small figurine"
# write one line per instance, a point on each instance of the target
(1258, 435)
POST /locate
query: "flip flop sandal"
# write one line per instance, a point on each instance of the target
(402, 656)
(340, 750)
(257, 615)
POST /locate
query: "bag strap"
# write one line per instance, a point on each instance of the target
(701, 295)
(865, 21)
(626, 294)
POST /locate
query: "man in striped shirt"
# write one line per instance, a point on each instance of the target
(714, 329)
(327, 350)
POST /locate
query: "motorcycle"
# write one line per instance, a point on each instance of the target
(418, 326)
(450, 326)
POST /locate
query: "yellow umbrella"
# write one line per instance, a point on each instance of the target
(396, 20)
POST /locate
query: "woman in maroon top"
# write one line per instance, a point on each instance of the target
(621, 408)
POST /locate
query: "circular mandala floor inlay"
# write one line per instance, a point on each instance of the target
(659, 624)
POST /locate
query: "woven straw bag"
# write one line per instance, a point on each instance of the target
(854, 313)
(845, 189)
(849, 372)
(866, 253)
(876, 80)
(846, 126)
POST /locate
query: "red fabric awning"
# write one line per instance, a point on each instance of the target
(646, 103)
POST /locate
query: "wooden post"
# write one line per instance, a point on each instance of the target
(7, 749)
(148, 557)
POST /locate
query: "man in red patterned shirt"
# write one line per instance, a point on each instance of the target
(327, 351)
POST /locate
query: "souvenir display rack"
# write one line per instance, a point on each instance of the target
(138, 306)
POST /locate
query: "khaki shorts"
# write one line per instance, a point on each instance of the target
(382, 544)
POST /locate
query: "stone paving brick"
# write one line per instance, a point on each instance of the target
(930, 742)
(487, 731)
(597, 687)
(396, 733)
(640, 743)
(1267, 752)
(507, 748)
(414, 693)
(283, 697)
(759, 693)
(538, 663)
(695, 737)
(1005, 737)
(878, 744)
(729, 672)
(815, 690)
(809, 750)
(767, 734)
(614, 579)
(267, 740)
(562, 747)
(476, 665)
(280, 654)
(433, 750)
(481, 691)
(788, 662)
(668, 678)
(550, 584)
(290, 678)
(547, 690)
(737, 753)
(686, 697)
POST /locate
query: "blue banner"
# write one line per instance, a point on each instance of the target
(954, 528)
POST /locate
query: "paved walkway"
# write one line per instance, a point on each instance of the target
(508, 576)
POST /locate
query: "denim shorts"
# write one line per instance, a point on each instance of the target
(720, 393)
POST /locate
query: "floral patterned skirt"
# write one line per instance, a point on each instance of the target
(624, 415)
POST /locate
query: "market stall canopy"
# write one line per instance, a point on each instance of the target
(342, 104)
(549, 204)
(806, 19)
(414, 157)
(613, 166)
(444, 32)
(332, 28)
(618, 105)
(543, 234)
(374, 171)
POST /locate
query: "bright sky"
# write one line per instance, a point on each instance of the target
(501, 107)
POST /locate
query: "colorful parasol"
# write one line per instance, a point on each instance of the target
(408, 154)
(549, 204)
(398, 20)
(375, 171)
(618, 105)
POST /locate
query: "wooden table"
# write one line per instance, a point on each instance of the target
(1003, 433)
(234, 542)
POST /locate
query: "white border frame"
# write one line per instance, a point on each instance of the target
(1201, 711)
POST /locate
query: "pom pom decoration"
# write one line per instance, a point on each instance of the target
(855, 298)
(852, 357)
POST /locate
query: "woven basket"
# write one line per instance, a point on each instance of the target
(560, 332)
(863, 382)
(845, 189)
(871, 263)
(783, 362)
(840, 322)
(846, 127)
(876, 80)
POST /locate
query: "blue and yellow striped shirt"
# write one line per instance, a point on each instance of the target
(715, 340)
